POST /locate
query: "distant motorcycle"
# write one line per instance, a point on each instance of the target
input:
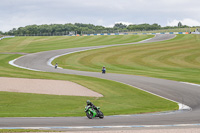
(104, 70)
(91, 113)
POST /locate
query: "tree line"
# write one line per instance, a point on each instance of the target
(79, 28)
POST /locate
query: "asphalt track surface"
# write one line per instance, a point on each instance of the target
(176, 91)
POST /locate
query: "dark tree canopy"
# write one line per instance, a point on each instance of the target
(180, 24)
(146, 27)
(79, 28)
(120, 26)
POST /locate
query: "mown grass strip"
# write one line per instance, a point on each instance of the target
(118, 98)
(176, 59)
(37, 44)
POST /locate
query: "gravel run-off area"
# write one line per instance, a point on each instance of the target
(43, 86)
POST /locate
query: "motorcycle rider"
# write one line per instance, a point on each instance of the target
(104, 70)
(56, 65)
(92, 105)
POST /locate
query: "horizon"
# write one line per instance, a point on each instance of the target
(20, 13)
(97, 25)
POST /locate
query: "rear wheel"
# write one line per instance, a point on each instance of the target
(89, 115)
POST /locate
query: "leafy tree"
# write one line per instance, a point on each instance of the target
(64, 29)
(180, 24)
(119, 26)
(146, 27)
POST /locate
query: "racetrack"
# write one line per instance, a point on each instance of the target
(180, 92)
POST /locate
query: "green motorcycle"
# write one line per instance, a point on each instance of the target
(91, 113)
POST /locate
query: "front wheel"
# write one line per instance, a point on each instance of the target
(89, 115)
(101, 116)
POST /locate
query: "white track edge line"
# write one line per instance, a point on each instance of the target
(100, 127)
(191, 84)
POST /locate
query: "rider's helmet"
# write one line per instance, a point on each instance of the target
(88, 102)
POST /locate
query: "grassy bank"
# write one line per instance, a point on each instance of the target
(118, 98)
(176, 59)
(40, 43)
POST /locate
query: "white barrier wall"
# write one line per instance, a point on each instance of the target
(195, 33)
(122, 34)
(6, 37)
(135, 33)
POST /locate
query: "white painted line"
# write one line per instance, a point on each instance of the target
(184, 107)
(90, 127)
(191, 83)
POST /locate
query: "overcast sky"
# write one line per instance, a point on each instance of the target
(18, 13)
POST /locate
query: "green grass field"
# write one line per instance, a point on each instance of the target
(118, 98)
(37, 44)
(176, 59)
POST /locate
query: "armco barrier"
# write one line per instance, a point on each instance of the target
(137, 33)
(195, 33)
(103, 34)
